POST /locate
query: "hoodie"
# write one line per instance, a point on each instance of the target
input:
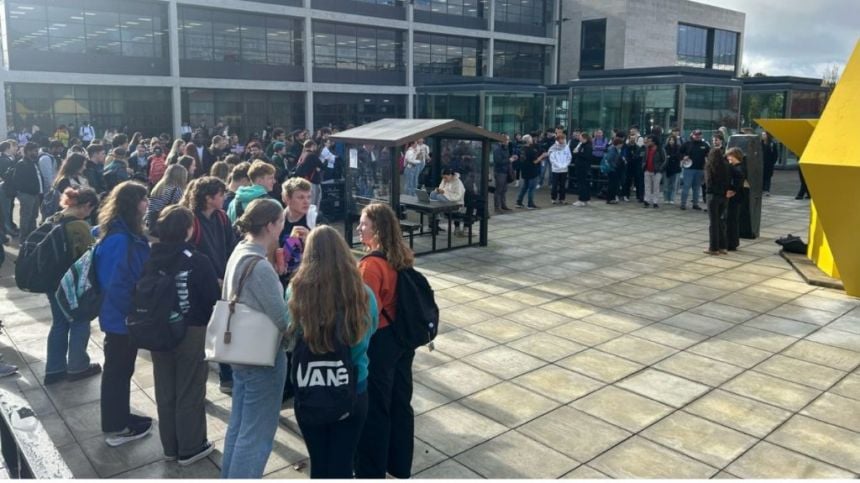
(197, 287)
(560, 157)
(244, 196)
(453, 191)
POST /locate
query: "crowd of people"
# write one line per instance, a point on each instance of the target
(245, 226)
(212, 220)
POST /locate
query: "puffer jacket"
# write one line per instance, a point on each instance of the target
(119, 259)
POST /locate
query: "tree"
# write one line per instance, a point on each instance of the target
(831, 76)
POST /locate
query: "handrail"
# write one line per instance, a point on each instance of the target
(26, 447)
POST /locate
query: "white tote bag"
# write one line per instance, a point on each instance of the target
(238, 334)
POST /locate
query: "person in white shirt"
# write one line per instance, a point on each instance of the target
(326, 156)
(87, 133)
(559, 160)
(412, 169)
(450, 189)
(422, 154)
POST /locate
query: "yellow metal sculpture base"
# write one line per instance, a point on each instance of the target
(832, 174)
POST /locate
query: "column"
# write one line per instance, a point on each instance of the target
(491, 44)
(173, 40)
(309, 69)
(410, 61)
(4, 128)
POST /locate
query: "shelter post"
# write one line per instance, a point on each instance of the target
(485, 175)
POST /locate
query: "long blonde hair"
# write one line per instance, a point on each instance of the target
(328, 297)
(388, 234)
(175, 175)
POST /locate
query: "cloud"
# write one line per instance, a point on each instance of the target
(793, 37)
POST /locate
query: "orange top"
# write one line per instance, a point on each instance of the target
(382, 279)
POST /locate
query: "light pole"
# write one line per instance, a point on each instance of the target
(558, 23)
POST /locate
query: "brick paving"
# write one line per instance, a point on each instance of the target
(582, 343)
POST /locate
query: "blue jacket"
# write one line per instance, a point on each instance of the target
(118, 271)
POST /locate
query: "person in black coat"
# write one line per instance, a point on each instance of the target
(770, 155)
(582, 165)
(739, 187)
(718, 181)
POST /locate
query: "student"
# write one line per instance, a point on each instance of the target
(560, 158)
(257, 390)
(673, 168)
(220, 170)
(616, 167)
(530, 168)
(653, 167)
(262, 176)
(67, 357)
(718, 181)
(121, 251)
(94, 172)
(309, 167)
(387, 440)
(116, 171)
(213, 236)
(180, 374)
(28, 187)
(330, 306)
(300, 217)
(740, 188)
(582, 159)
(167, 192)
(238, 178)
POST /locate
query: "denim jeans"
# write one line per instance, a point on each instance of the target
(257, 394)
(66, 337)
(670, 184)
(692, 179)
(412, 172)
(438, 197)
(528, 186)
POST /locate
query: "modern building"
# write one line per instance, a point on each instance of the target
(508, 65)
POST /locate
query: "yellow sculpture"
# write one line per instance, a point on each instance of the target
(832, 173)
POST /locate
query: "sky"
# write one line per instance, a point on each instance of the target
(797, 37)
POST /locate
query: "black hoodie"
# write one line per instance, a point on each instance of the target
(196, 283)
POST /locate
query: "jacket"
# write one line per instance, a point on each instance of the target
(560, 157)
(599, 147)
(453, 191)
(28, 179)
(244, 196)
(115, 173)
(697, 152)
(209, 158)
(501, 159)
(584, 156)
(718, 178)
(214, 237)
(196, 283)
(48, 168)
(119, 259)
(95, 177)
(659, 159)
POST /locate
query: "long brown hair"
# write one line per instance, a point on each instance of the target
(328, 297)
(388, 234)
(121, 204)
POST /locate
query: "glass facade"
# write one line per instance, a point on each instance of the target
(610, 108)
(514, 60)
(245, 112)
(531, 18)
(218, 36)
(807, 104)
(707, 48)
(342, 110)
(145, 109)
(557, 110)
(453, 13)
(513, 112)
(462, 106)
(358, 54)
(709, 107)
(762, 105)
(102, 36)
(442, 56)
(592, 54)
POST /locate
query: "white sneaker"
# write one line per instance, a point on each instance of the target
(204, 452)
(579, 203)
(137, 431)
(517, 184)
(626, 199)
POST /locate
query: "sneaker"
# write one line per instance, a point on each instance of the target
(538, 187)
(54, 378)
(724, 252)
(798, 197)
(767, 193)
(7, 369)
(697, 207)
(626, 199)
(532, 207)
(520, 206)
(645, 204)
(683, 207)
(138, 419)
(712, 253)
(579, 204)
(670, 202)
(554, 202)
(168, 457)
(505, 208)
(517, 184)
(204, 452)
(90, 371)
(226, 387)
(132, 433)
(612, 202)
(655, 205)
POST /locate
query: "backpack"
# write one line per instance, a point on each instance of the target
(417, 320)
(44, 257)
(160, 298)
(324, 389)
(79, 294)
(792, 244)
(605, 166)
(50, 203)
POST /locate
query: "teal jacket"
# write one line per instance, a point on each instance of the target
(358, 351)
(244, 196)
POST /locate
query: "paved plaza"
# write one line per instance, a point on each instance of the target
(582, 343)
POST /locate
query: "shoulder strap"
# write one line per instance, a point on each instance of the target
(245, 274)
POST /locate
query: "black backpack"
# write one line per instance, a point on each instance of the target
(44, 257)
(156, 322)
(323, 384)
(417, 320)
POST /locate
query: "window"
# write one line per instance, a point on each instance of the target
(212, 36)
(520, 61)
(350, 47)
(446, 55)
(707, 48)
(463, 8)
(128, 29)
(692, 46)
(536, 12)
(245, 112)
(725, 50)
(592, 55)
(341, 110)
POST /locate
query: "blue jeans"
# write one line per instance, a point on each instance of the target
(528, 186)
(438, 197)
(670, 184)
(412, 173)
(66, 337)
(692, 179)
(257, 395)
